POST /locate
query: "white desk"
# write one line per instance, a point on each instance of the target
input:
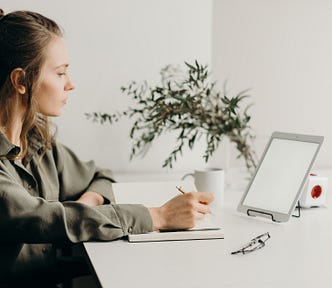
(299, 254)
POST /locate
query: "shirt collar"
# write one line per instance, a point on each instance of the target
(35, 144)
(9, 149)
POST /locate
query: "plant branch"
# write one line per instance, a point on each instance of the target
(189, 104)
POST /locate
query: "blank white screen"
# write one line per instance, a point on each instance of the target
(280, 175)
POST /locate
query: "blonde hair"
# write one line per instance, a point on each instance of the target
(24, 37)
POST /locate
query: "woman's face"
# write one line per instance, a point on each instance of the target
(55, 82)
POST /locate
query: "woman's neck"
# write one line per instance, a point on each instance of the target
(13, 130)
(12, 127)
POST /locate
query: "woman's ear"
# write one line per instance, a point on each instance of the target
(17, 77)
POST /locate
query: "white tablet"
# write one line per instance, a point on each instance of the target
(280, 176)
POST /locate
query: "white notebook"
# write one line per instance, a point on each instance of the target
(153, 194)
(205, 229)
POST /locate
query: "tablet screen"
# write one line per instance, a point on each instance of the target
(280, 175)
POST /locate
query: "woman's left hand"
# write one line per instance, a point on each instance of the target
(91, 198)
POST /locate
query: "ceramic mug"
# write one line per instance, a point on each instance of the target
(210, 180)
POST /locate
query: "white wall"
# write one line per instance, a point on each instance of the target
(282, 49)
(279, 48)
(112, 42)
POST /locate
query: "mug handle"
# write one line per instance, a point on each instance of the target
(186, 175)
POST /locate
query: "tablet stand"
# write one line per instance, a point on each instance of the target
(298, 208)
(260, 212)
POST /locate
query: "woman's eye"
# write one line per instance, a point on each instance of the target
(62, 74)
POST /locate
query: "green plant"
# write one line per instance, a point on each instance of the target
(188, 104)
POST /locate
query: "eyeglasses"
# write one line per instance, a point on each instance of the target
(254, 244)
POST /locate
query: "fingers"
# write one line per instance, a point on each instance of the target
(202, 197)
(198, 216)
(182, 211)
(199, 201)
(205, 197)
(203, 208)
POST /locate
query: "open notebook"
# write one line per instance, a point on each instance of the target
(152, 194)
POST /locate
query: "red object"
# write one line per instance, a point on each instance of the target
(316, 191)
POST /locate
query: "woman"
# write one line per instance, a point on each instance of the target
(48, 197)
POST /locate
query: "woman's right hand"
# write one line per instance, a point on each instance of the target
(182, 211)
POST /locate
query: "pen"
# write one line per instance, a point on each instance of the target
(180, 189)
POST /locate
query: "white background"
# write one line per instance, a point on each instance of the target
(281, 49)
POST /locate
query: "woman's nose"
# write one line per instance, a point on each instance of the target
(70, 85)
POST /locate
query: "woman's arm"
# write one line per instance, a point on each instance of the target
(25, 218)
(76, 177)
(47, 211)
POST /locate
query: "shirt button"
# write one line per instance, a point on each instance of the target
(29, 187)
(130, 230)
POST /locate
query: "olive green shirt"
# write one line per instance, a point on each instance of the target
(38, 212)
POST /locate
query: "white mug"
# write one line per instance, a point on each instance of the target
(211, 180)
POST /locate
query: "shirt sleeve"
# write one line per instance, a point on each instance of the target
(77, 177)
(28, 219)
(25, 218)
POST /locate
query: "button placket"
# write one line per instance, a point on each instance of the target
(29, 181)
